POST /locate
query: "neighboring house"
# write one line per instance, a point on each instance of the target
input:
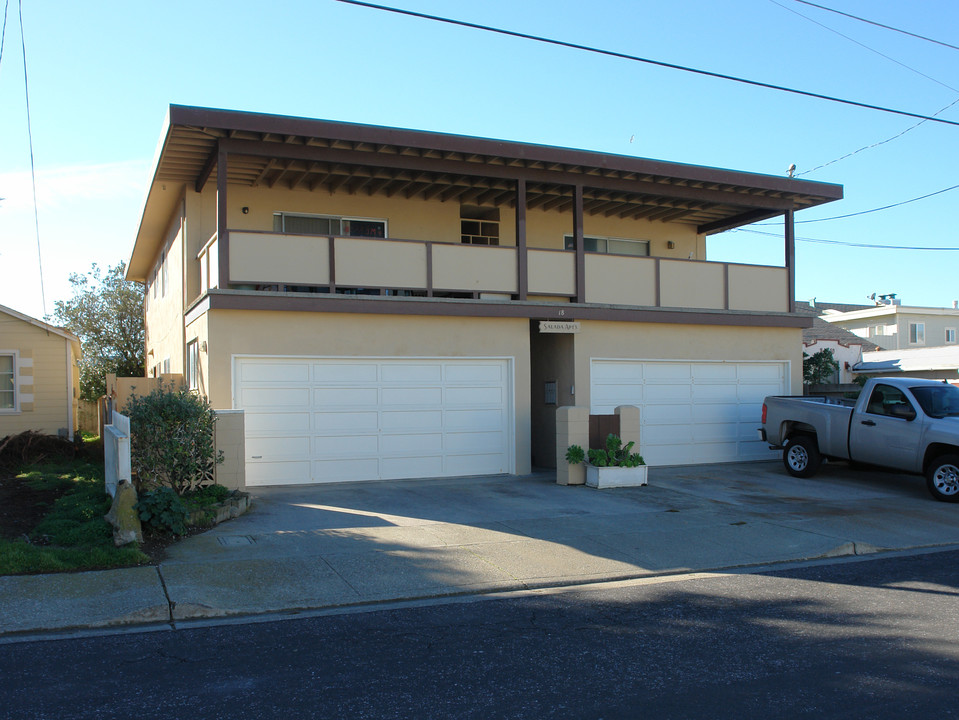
(387, 303)
(893, 326)
(39, 377)
(847, 348)
(937, 363)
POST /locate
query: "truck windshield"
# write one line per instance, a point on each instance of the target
(938, 401)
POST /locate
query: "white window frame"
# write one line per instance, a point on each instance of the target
(568, 244)
(950, 336)
(193, 364)
(15, 356)
(340, 218)
(917, 330)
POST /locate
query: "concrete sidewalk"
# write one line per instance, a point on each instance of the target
(309, 548)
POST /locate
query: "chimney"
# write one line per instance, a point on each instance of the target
(955, 304)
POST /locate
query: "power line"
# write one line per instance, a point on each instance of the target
(658, 63)
(875, 144)
(866, 212)
(863, 45)
(871, 246)
(3, 35)
(877, 24)
(33, 172)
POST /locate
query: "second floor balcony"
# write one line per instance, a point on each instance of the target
(390, 268)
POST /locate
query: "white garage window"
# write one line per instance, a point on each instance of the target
(691, 411)
(313, 420)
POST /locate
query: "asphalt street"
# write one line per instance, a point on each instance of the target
(875, 638)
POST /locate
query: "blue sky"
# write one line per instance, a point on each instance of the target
(101, 76)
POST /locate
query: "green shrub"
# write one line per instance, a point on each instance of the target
(615, 455)
(162, 511)
(171, 439)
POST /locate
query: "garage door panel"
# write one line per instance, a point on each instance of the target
(690, 411)
(467, 372)
(368, 418)
(411, 373)
(416, 396)
(277, 423)
(346, 397)
(274, 398)
(344, 470)
(334, 421)
(411, 419)
(274, 372)
(475, 464)
(411, 443)
(474, 442)
(276, 448)
(668, 393)
(345, 445)
(343, 372)
(473, 419)
(277, 473)
(396, 468)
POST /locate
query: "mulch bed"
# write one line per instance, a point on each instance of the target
(22, 507)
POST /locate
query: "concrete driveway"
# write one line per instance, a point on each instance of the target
(328, 546)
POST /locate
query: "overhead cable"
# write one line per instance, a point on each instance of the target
(866, 212)
(33, 172)
(658, 63)
(863, 45)
(872, 246)
(877, 24)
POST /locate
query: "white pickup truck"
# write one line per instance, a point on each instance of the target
(904, 424)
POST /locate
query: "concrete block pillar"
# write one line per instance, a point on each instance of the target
(229, 437)
(629, 425)
(572, 428)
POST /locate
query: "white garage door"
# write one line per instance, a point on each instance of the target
(691, 412)
(314, 420)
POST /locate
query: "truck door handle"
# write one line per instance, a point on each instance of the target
(868, 422)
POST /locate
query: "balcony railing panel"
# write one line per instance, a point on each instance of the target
(691, 284)
(263, 258)
(552, 272)
(474, 268)
(620, 280)
(380, 263)
(753, 287)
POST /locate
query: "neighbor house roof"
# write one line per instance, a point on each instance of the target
(822, 330)
(323, 156)
(911, 360)
(62, 332)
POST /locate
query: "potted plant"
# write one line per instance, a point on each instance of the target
(614, 466)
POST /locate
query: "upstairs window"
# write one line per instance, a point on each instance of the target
(329, 225)
(917, 333)
(950, 336)
(8, 382)
(479, 226)
(611, 246)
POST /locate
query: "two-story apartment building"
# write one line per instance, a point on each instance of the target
(387, 303)
(893, 326)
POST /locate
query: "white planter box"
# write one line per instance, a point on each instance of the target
(610, 477)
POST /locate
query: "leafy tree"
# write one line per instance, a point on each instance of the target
(818, 368)
(106, 313)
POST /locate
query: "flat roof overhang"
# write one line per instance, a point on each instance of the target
(324, 156)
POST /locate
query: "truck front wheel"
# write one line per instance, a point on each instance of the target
(801, 456)
(942, 478)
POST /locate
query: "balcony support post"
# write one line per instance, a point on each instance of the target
(522, 259)
(222, 234)
(578, 243)
(790, 261)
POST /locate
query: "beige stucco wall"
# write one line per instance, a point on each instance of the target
(551, 273)
(692, 285)
(295, 259)
(230, 440)
(655, 341)
(164, 311)
(233, 333)
(758, 288)
(620, 280)
(47, 379)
